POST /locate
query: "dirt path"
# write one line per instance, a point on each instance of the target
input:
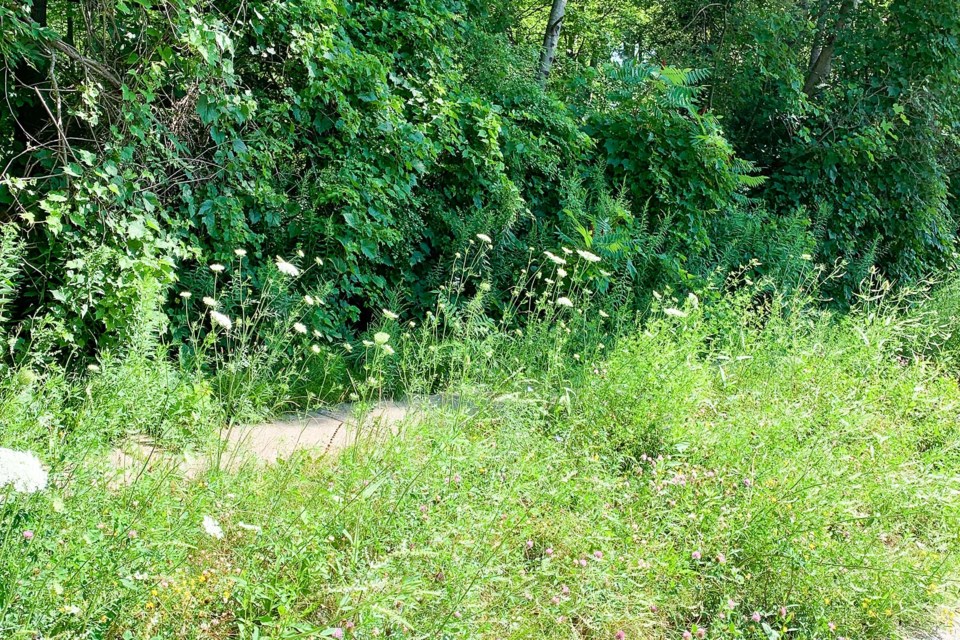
(320, 433)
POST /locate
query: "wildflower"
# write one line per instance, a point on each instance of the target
(696, 555)
(381, 337)
(687, 635)
(240, 252)
(387, 349)
(316, 333)
(569, 252)
(675, 313)
(529, 544)
(390, 315)
(337, 633)
(286, 268)
(300, 253)
(21, 470)
(132, 534)
(212, 527)
(783, 612)
(654, 608)
(756, 617)
(93, 368)
(28, 535)
(210, 302)
(832, 626)
(318, 261)
(731, 603)
(485, 238)
(562, 273)
(315, 348)
(300, 328)
(620, 635)
(548, 551)
(309, 300)
(221, 319)
(564, 302)
(185, 295)
(554, 258)
(701, 633)
(485, 287)
(598, 554)
(217, 268)
(347, 347)
(604, 314)
(564, 589)
(589, 257)
(722, 559)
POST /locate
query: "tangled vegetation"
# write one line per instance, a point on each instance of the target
(670, 283)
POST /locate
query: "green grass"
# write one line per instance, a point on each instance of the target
(717, 463)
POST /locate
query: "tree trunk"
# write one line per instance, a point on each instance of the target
(551, 36)
(821, 66)
(819, 33)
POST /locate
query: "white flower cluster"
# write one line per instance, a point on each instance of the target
(22, 470)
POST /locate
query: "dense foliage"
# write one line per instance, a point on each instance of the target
(652, 296)
(141, 139)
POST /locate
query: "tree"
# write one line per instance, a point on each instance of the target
(821, 57)
(551, 36)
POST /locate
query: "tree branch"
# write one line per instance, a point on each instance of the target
(98, 68)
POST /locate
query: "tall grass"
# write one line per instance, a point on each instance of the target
(749, 467)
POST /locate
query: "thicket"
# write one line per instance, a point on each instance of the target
(143, 141)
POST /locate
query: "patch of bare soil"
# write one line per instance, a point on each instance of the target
(319, 433)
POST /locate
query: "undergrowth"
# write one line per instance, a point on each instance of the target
(754, 467)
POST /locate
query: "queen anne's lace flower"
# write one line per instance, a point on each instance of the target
(564, 302)
(554, 258)
(286, 268)
(217, 268)
(589, 257)
(212, 527)
(22, 470)
(485, 238)
(221, 319)
(390, 314)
